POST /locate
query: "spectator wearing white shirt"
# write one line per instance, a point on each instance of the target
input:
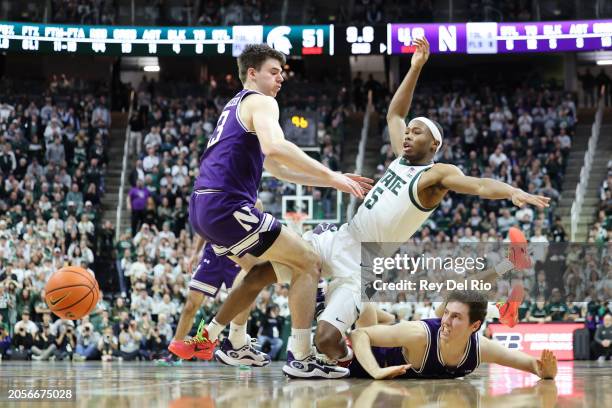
(141, 304)
(167, 307)
(497, 120)
(565, 140)
(525, 122)
(137, 269)
(505, 221)
(150, 161)
(153, 139)
(6, 111)
(85, 226)
(26, 323)
(165, 233)
(160, 269)
(164, 326)
(498, 157)
(53, 129)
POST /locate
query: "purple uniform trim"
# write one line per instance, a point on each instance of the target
(212, 272)
(235, 227)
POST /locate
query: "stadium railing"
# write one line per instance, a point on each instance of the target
(350, 210)
(585, 171)
(126, 148)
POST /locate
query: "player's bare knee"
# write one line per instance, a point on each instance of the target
(194, 300)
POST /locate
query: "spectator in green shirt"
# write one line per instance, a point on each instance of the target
(538, 311)
(557, 309)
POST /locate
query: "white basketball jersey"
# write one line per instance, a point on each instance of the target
(392, 212)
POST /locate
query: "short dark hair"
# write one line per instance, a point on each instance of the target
(477, 302)
(254, 56)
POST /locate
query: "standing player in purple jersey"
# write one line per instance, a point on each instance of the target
(447, 347)
(222, 207)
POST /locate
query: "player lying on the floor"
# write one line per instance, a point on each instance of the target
(446, 347)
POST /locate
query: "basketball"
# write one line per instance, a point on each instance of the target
(72, 293)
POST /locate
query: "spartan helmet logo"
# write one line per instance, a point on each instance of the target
(277, 39)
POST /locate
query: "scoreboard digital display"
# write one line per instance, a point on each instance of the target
(501, 38)
(391, 39)
(144, 41)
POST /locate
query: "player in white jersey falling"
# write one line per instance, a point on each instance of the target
(406, 195)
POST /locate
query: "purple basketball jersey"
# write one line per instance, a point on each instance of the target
(212, 272)
(432, 366)
(222, 206)
(233, 160)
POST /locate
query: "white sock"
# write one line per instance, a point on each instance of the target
(348, 356)
(300, 343)
(214, 329)
(238, 335)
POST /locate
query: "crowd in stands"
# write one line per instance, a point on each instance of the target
(52, 164)
(91, 12)
(240, 12)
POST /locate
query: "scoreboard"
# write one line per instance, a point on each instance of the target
(390, 39)
(151, 41)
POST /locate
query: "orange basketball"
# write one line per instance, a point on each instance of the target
(72, 292)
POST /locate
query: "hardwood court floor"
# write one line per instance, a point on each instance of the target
(207, 385)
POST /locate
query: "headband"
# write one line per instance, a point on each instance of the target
(432, 128)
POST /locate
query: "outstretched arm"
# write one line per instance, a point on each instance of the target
(404, 334)
(402, 99)
(282, 172)
(492, 352)
(452, 178)
(265, 116)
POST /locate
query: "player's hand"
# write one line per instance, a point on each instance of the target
(364, 182)
(389, 373)
(605, 343)
(547, 365)
(346, 185)
(421, 54)
(520, 198)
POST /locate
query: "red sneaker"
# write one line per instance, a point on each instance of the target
(203, 348)
(182, 349)
(518, 251)
(508, 311)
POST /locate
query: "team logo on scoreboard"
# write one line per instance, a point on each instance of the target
(509, 340)
(277, 39)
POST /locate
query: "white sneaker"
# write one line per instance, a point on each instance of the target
(246, 355)
(312, 367)
(601, 359)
